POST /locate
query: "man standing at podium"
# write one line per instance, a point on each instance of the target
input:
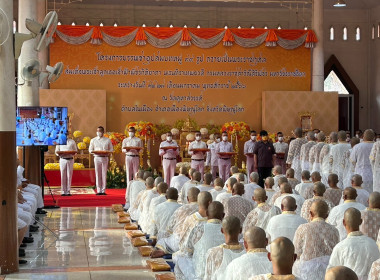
(131, 155)
(66, 164)
(169, 157)
(197, 157)
(100, 144)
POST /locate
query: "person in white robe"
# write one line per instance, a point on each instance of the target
(196, 178)
(337, 213)
(237, 205)
(333, 193)
(223, 197)
(285, 224)
(315, 151)
(360, 159)
(293, 159)
(357, 251)
(277, 172)
(191, 257)
(206, 186)
(371, 217)
(161, 189)
(282, 257)
(336, 155)
(179, 180)
(374, 273)
(304, 188)
(250, 188)
(136, 209)
(163, 212)
(286, 190)
(138, 178)
(218, 188)
(340, 273)
(218, 258)
(347, 164)
(261, 215)
(324, 157)
(305, 151)
(314, 243)
(319, 189)
(277, 193)
(234, 170)
(281, 148)
(138, 186)
(375, 164)
(268, 187)
(291, 180)
(363, 195)
(255, 243)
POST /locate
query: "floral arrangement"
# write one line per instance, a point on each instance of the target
(116, 140)
(82, 146)
(143, 129)
(240, 130)
(77, 133)
(212, 128)
(271, 136)
(204, 131)
(174, 131)
(163, 137)
(87, 140)
(55, 166)
(162, 129)
(116, 176)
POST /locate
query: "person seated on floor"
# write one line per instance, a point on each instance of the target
(218, 188)
(218, 258)
(196, 178)
(223, 197)
(137, 179)
(250, 188)
(305, 188)
(291, 180)
(277, 194)
(287, 190)
(138, 186)
(282, 257)
(161, 189)
(333, 193)
(207, 181)
(268, 187)
(255, 242)
(237, 205)
(340, 273)
(178, 181)
(136, 208)
(363, 195)
(190, 259)
(234, 171)
(277, 174)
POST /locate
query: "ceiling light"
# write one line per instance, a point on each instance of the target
(340, 3)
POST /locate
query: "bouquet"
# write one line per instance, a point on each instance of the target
(116, 140)
(240, 130)
(143, 129)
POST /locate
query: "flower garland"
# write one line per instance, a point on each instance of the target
(144, 130)
(55, 166)
(240, 130)
(116, 140)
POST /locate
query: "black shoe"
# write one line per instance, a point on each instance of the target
(21, 252)
(23, 245)
(33, 228)
(28, 240)
(22, 261)
(98, 193)
(40, 211)
(104, 193)
(63, 194)
(69, 194)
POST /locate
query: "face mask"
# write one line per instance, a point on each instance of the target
(348, 139)
(217, 140)
(265, 138)
(315, 135)
(280, 139)
(253, 138)
(357, 135)
(131, 134)
(99, 134)
(225, 138)
(169, 138)
(197, 138)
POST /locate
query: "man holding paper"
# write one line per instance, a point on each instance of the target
(132, 147)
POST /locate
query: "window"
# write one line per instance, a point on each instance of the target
(344, 33)
(333, 83)
(357, 36)
(332, 33)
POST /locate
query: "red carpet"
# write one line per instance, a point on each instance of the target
(114, 196)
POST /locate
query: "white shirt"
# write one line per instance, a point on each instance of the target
(249, 146)
(249, 190)
(299, 201)
(197, 145)
(132, 142)
(100, 144)
(70, 146)
(356, 252)
(304, 189)
(169, 153)
(223, 197)
(280, 147)
(285, 225)
(360, 159)
(182, 197)
(216, 191)
(162, 214)
(178, 181)
(223, 147)
(136, 187)
(212, 157)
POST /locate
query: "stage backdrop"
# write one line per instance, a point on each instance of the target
(161, 85)
(281, 110)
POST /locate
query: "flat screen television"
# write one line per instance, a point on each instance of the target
(41, 126)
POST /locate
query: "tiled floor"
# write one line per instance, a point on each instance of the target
(90, 245)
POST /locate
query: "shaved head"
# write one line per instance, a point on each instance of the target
(277, 169)
(207, 178)
(172, 193)
(215, 210)
(354, 141)
(282, 180)
(356, 180)
(368, 135)
(305, 174)
(282, 254)
(147, 174)
(319, 209)
(149, 182)
(255, 237)
(231, 225)
(183, 170)
(269, 182)
(350, 193)
(288, 204)
(158, 180)
(319, 189)
(254, 176)
(260, 195)
(204, 200)
(231, 182)
(218, 182)
(352, 219)
(140, 174)
(340, 273)
(191, 171)
(342, 135)
(197, 176)
(241, 177)
(374, 200)
(316, 176)
(333, 178)
(238, 189)
(333, 137)
(234, 169)
(298, 132)
(286, 188)
(162, 187)
(310, 136)
(290, 173)
(321, 137)
(192, 194)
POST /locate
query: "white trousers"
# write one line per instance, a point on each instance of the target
(40, 200)
(67, 167)
(131, 166)
(101, 167)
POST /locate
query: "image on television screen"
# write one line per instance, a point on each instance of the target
(41, 126)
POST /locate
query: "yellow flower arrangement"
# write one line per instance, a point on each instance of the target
(116, 140)
(239, 129)
(77, 133)
(86, 140)
(144, 130)
(81, 145)
(78, 165)
(55, 166)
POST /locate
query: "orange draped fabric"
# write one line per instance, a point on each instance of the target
(119, 31)
(248, 32)
(74, 31)
(163, 32)
(228, 37)
(206, 33)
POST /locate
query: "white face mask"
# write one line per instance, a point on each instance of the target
(315, 135)
(253, 138)
(131, 134)
(217, 140)
(169, 138)
(357, 135)
(99, 134)
(225, 138)
(280, 139)
(197, 138)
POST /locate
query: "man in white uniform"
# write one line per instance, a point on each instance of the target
(101, 143)
(336, 156)
(212, 157)
(66, 164)
(132, 156)
(248, 152)
(224, 162)
(281, 149)
(375, 164)
(169, 157)
(315, 151)
(293, 159)
(357, 251)
(197, 157)
(306, 186)
(305, 151)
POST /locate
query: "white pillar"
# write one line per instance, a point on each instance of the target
(43, 54)
(8, 206)
(27, 96)
(318, 63)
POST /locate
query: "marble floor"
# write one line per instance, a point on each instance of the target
(89, 244)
